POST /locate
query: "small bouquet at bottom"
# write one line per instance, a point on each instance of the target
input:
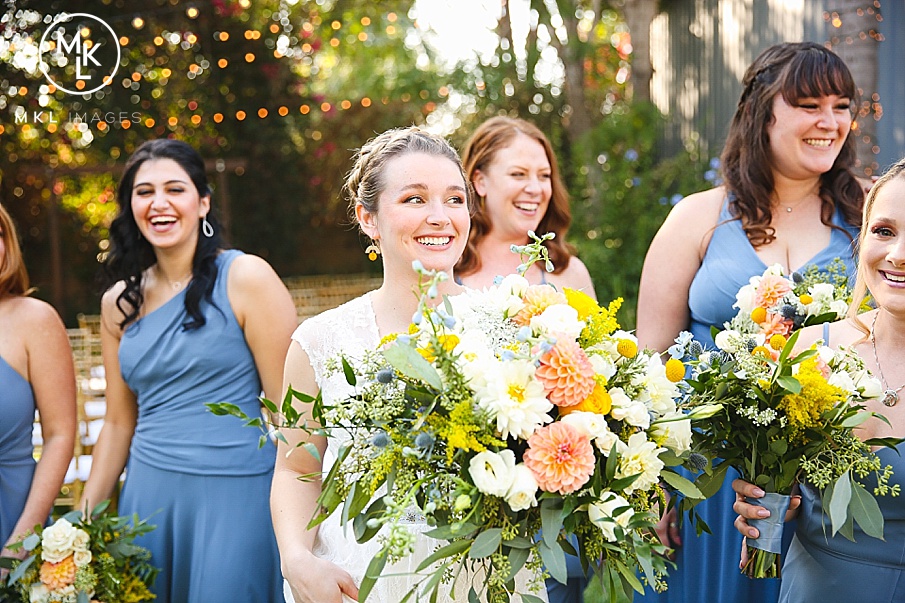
(76, 561)
(787, 419)
(775, 303)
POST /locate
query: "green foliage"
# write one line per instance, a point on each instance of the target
(620, 202)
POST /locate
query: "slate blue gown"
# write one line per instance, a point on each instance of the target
(707, 566)
(201, 479)
(17, 465)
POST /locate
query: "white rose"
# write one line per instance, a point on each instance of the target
(723, 340)
(58, 541)
(38, 593)
(839, 307)
(842, 380)
(521, 494)
(868, 385)
(81, 539)
(774, 270)
(81, 557)
(492, 472)
(822, 292)
(507, 296)
(601, 514)
(744, 299)
(603, 365)
(559, 319)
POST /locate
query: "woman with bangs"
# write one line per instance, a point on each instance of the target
(789, 197)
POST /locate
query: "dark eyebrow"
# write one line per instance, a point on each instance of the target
(174, 181)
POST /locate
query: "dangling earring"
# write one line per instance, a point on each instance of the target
(372, 251)
(206, 228)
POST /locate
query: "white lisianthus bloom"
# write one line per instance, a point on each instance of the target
(641, 457)
(774, 270)
(822, 293)
(633, 412)
(673, 432)
(595, 427)
(507, 296)
(868, 385)
(604, 515)
(843, 380)
(558, 319)
(522, 492)
(744, 299)
(603, 364)
(58, 541)
(475, 358)
(659, 392)
(514, 397)
(493, 472)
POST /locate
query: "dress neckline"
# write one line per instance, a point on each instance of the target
(3, 362)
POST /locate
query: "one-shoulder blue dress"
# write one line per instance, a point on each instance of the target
(707, 566)
(17, 463)
(820, 567)
(201, 479)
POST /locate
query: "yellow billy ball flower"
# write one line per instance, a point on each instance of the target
(675, 370)
(759, 314)
(761, 351)
(805, 299)
(627, 348)
(777, 342)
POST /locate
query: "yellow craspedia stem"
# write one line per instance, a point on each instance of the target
(675, 370)
(805, 298)
(627, 348)
(759, 314)
(761, 351)
(777, 342)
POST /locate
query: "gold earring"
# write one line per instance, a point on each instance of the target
(372, 251)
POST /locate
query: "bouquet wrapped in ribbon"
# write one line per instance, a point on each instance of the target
(510, 419)
(785, 419)
(77, 561)
(775, 303)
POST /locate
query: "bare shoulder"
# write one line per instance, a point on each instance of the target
(689, 225)
(251, 270)
(701, 209)
(846, 332)
(31, 313)
(111, 314)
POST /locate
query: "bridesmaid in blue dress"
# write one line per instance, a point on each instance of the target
(789, 198)
(185, 323)
(819, 567)
(36, 372)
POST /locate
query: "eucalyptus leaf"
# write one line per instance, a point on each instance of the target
(409, 362)
(486, 543)
(555, 560)
(683, 485)
(551, 521)
(517, 560)
(375, 568)
(866, 512)
(790, 384)
(21, 569)
(453, 548)
(856, 419)
(837, 505)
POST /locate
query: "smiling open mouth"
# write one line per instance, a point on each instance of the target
(818, 142)
(434, 241)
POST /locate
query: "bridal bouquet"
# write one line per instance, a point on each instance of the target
(776, 303)
(76, 561)
(510, 419)
(786, 419)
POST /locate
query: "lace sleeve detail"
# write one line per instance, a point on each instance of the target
(349, 327)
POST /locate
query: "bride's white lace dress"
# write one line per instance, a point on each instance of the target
(352, 328)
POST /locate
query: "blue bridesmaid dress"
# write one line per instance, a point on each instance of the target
(17, 463)
(201, 479)
(707, 565)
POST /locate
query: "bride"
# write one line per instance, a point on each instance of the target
(409, 194)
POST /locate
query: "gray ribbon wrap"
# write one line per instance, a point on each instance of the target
(770, 529)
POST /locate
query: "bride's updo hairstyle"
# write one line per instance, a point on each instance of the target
(365, 183)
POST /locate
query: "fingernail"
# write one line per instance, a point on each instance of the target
(763, 513)
(758, 493)
(752, 533)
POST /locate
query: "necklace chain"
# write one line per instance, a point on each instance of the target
(890, 396)
(176, 285)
